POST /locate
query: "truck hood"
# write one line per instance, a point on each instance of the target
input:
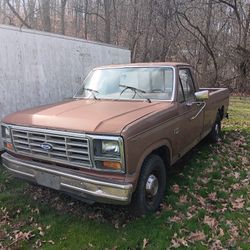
(100, 116)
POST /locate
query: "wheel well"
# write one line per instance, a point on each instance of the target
(164, 153)
(221, 112)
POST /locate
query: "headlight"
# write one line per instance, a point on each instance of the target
(5, 132)
(109, 153)
(6, 137)
(107, 148)
(110, 147)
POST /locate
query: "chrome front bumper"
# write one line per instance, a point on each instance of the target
(68, 181)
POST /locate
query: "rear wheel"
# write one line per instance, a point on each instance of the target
(151, 186)
(215, 133)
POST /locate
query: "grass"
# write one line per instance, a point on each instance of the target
(207, 205)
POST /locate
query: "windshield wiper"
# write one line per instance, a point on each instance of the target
(92, 92)
(136, 91)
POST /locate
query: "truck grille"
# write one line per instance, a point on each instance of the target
(72, 149)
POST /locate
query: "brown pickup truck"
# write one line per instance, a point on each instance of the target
(113, 141)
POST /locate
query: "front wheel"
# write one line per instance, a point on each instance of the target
(151, 186)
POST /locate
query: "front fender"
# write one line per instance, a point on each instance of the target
(152, 147)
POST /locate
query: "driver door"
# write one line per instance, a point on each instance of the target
(190, 127)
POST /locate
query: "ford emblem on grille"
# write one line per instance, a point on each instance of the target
(46, 146)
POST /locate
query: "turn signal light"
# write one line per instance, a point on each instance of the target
(9, 146)
(112, 164)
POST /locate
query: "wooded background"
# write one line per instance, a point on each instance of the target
(212, 35)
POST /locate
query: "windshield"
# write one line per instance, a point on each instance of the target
(128, 83)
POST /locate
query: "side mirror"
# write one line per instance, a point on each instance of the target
(201, 95)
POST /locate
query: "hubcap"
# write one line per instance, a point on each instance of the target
(152, 185)
(216, 129)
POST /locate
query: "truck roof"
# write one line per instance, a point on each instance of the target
(149, 64)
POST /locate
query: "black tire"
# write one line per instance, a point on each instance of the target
(215, 133)
(148, 195)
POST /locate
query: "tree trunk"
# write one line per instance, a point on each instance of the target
(86, 19)
(45, 4)
(97, 21)
(205, 57)
(17, 15)
(107, 35)
(116, 22)
(63, 5)
(31, 13)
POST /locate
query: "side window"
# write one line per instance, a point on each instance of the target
(187, 84)
(181, 97)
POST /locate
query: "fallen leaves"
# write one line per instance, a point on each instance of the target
(165, 207)
(238, 203)
(244, 160)
(19, 236)
(176, 188)
(39, 243)
(14, 227)
(4, 216)
(35, 210)
(177, 218)
(51, 242)
(236, 175)
(236, 186)
(177, 242)
(196, 236)
(234, 232)
(183, 199)
(203, 180)
(211, 222)
(240, 141)
(41, 232)
(3, 235)
(145, 243)
(213, 196)
(200, 199)
(216, 245)
(221, 232)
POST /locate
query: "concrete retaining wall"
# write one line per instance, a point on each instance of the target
(38, 68)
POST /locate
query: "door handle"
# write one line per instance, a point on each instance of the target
(176, 131)
(189, 104)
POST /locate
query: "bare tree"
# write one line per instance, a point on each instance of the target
(107, 10)
(198, 33)
(241, 10)
(63, 5)
(205, 54)
(45, 11)
(212, 35)
(17, 15)
(86, 7)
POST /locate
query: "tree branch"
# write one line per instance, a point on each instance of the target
(17, 15)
